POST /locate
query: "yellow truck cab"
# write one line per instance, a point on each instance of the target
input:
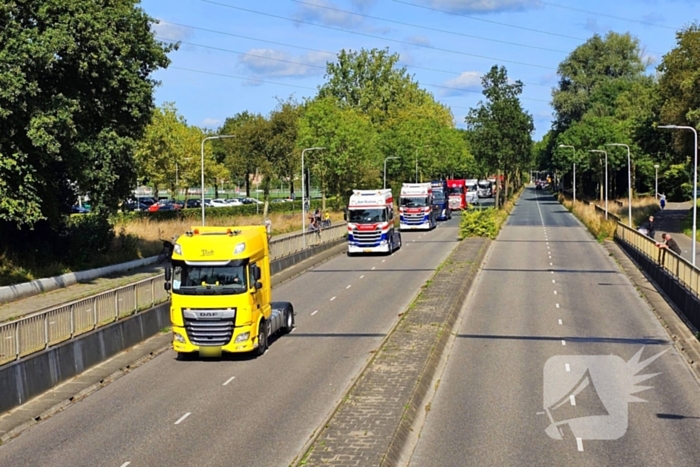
(219, 281)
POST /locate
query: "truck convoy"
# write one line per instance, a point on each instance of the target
(219, 281)
(457, 192)
(485, 190)
(370, 217)
(441, 204)
(416, 207)
(472, 191)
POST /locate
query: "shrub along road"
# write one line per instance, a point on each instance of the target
(547, 338)
(239, 411)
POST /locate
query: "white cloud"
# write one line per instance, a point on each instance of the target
(420, 40)
(265, 63)
(463, 84)
(211, 122)
(482, 6)
(327, 16)
(170, 31)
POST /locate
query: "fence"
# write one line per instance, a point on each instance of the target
(37, 332)
(679, 279)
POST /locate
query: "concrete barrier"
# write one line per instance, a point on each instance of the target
(35, 374)
(26, 378)
(10, 293)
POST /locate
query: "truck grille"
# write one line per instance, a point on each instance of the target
(209, 327)
(417, 218)
(455, 203)
(367, 238)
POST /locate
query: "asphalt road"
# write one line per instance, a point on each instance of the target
(550, 336)
(239, 411)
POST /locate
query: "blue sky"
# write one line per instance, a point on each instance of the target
(239, 55)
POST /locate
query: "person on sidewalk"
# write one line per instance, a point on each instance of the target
(669, 244)
(662, 201)
(650, 227)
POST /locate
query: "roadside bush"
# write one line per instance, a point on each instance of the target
(481, 223)
(87, 237)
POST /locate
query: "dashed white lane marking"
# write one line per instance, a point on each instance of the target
(374, 267)
(557, 305)
(383, 260)
(362, 276)
(551, 264)
(229, 380)
(182, 419)
(572, 398)
(555, 292)
(314, 312)
(349, 285)
(332, 298)
(553, 281)
(552, 272)
(563, 342)
(579, 444)
(568, 368)
(560, 322)
(125, 464)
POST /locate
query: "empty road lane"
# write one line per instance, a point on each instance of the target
(554, 357)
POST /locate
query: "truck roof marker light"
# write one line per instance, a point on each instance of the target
(196, 231)
(240, 248)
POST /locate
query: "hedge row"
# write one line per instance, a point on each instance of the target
(213, 213)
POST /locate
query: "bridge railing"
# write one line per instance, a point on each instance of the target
(38, 331)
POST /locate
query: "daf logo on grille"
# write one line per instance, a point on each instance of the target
(207, 314)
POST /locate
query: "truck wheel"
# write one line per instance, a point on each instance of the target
(184, 356)
(288, 320)
(398, 243)
(262, 339)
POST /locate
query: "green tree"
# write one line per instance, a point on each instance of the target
(679, 88)
(75, 94)
(351, 158)
(589, 70)
(501, 131)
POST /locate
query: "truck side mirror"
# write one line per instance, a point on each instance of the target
(168, 274)
(166, 286)
(345, 214)
(256, 272)
(258, 285)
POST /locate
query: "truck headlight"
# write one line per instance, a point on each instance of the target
(178, 249)
(179, 338)
(240, 248)
(242, 337)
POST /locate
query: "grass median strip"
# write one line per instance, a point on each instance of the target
(372, 423)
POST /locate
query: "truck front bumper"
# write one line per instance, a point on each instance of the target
(243, 340)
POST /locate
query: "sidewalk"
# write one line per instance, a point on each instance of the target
(29, 305)
(669, 221)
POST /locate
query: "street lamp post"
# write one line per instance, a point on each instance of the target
(386, 159)
(606, 179)
(205, 139)
(656, 181)
(303, 212)
(695, 179)
(574, 149)
(629, 181)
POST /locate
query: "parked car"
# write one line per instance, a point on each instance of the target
(193, 203)
(233, 202)
(218, 203)
(134, 206)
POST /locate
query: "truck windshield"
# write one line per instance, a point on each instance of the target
(455, 190)
(438, 197)
(203, 280)
(484, 185)
(367, 216)
(414, 202)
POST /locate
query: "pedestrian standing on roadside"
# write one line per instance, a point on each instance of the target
(650, 227)
(669, 244)
(662, 201)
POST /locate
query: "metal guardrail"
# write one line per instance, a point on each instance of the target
(41, 330)
(679, 268)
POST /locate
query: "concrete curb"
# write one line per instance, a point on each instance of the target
(11, 293)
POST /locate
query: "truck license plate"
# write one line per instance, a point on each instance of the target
(367, 250)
